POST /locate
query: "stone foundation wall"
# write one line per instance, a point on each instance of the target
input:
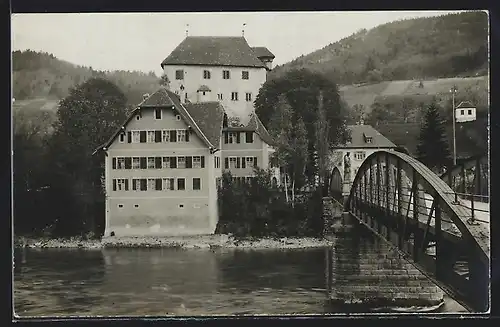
(366, 272)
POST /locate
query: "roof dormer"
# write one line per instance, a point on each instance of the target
(204, 94)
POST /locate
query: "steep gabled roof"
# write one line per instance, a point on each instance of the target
(254, 124)
(209, 117)
(213, 51)
(164, 98)
(359, 134)
(262, 52)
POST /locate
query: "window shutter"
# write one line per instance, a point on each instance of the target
(126, 184)
(187, 135)
(129, 137)
(255, 161)
(173, 136)
(143, 163)
(157, 162)
(226, 138)
(114, 184)
(144, 185)
(173, 162)
(243, 162)
(158, 184)
(142, 136)
(189, 162)
(238, 137)
(171, 184)
(134, 185)
(157, 136)
(238, 162)
(226, 163)
(128, 163)
(114, 163)
(202, 161)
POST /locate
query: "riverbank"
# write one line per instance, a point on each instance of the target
(180, 242)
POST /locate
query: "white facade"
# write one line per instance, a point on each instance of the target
(224, 90)
(465, 114)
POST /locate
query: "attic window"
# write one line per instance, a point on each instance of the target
(203, 92)
(369, 139)
(137, 117)
(178, 117)
(122, 137)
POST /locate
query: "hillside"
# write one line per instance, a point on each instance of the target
(454, 45)
(40, 75)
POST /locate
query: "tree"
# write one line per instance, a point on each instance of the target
(87, 117)
(164, 81)
(301, 89)
(322, 147)
(432, 149)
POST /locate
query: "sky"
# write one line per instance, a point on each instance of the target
(140, 41)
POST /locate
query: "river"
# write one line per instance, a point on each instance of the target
(160, 282)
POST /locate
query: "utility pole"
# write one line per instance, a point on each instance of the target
(453, 91)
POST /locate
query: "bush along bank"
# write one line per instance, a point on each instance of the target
(260, 209)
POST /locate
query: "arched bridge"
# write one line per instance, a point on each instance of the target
(404, 202)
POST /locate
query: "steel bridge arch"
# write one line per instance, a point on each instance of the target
(383, 182)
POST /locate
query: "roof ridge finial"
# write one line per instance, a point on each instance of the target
(187, 29)
(243, 29)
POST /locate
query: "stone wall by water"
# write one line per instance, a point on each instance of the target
(364, 271)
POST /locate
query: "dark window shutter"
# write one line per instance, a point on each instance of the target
(143, 136)
(202, 161)
(114, 163)
(249, 137)
(226, 163)
(189, 162)
(173, 136)
(226, 137)
(157, 136)
(171, 184)
(157, 162)
(134, 185)
(238, 137)
(126, 184)
(255, 161)
(128, 163)
(238, 162)
(173, 162)
(114, 184)
(144, 184)
(158, 184)
(129, 137)
(243, 162)
(143, 163)
(187, 135)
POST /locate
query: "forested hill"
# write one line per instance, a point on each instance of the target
(41, 75)
(453, 45)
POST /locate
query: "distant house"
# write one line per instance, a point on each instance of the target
(364, 141)
(163, 165)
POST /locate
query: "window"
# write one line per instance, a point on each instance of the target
(122, 137)
(249, 161)
(151, 137)
(196, 162)
(136, 137)
(217, 162)
(181, 184)
(151, 184)
(232, 162)
(225, 74)
(469, 112)
(219, 96)
(248, 97)
(165, 162)
(151, 162)
(178, 117)
(137, 117)
(196, 184)
(462, 112)
(120, 163)
(157, 113)
(359, 155)
(136, 206)
(179, 74)
(234, 96)
(120, 184)
(206, 74)
(181, 135)
(232, 137)
(244, 74)
(249, 137)
(136, 184)
(181, 205)
(181, 162)
(168, 184)
(136, 163)
(369, 139)
(165, 136)
(120, 206)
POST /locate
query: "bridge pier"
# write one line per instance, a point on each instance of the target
(365, 273)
